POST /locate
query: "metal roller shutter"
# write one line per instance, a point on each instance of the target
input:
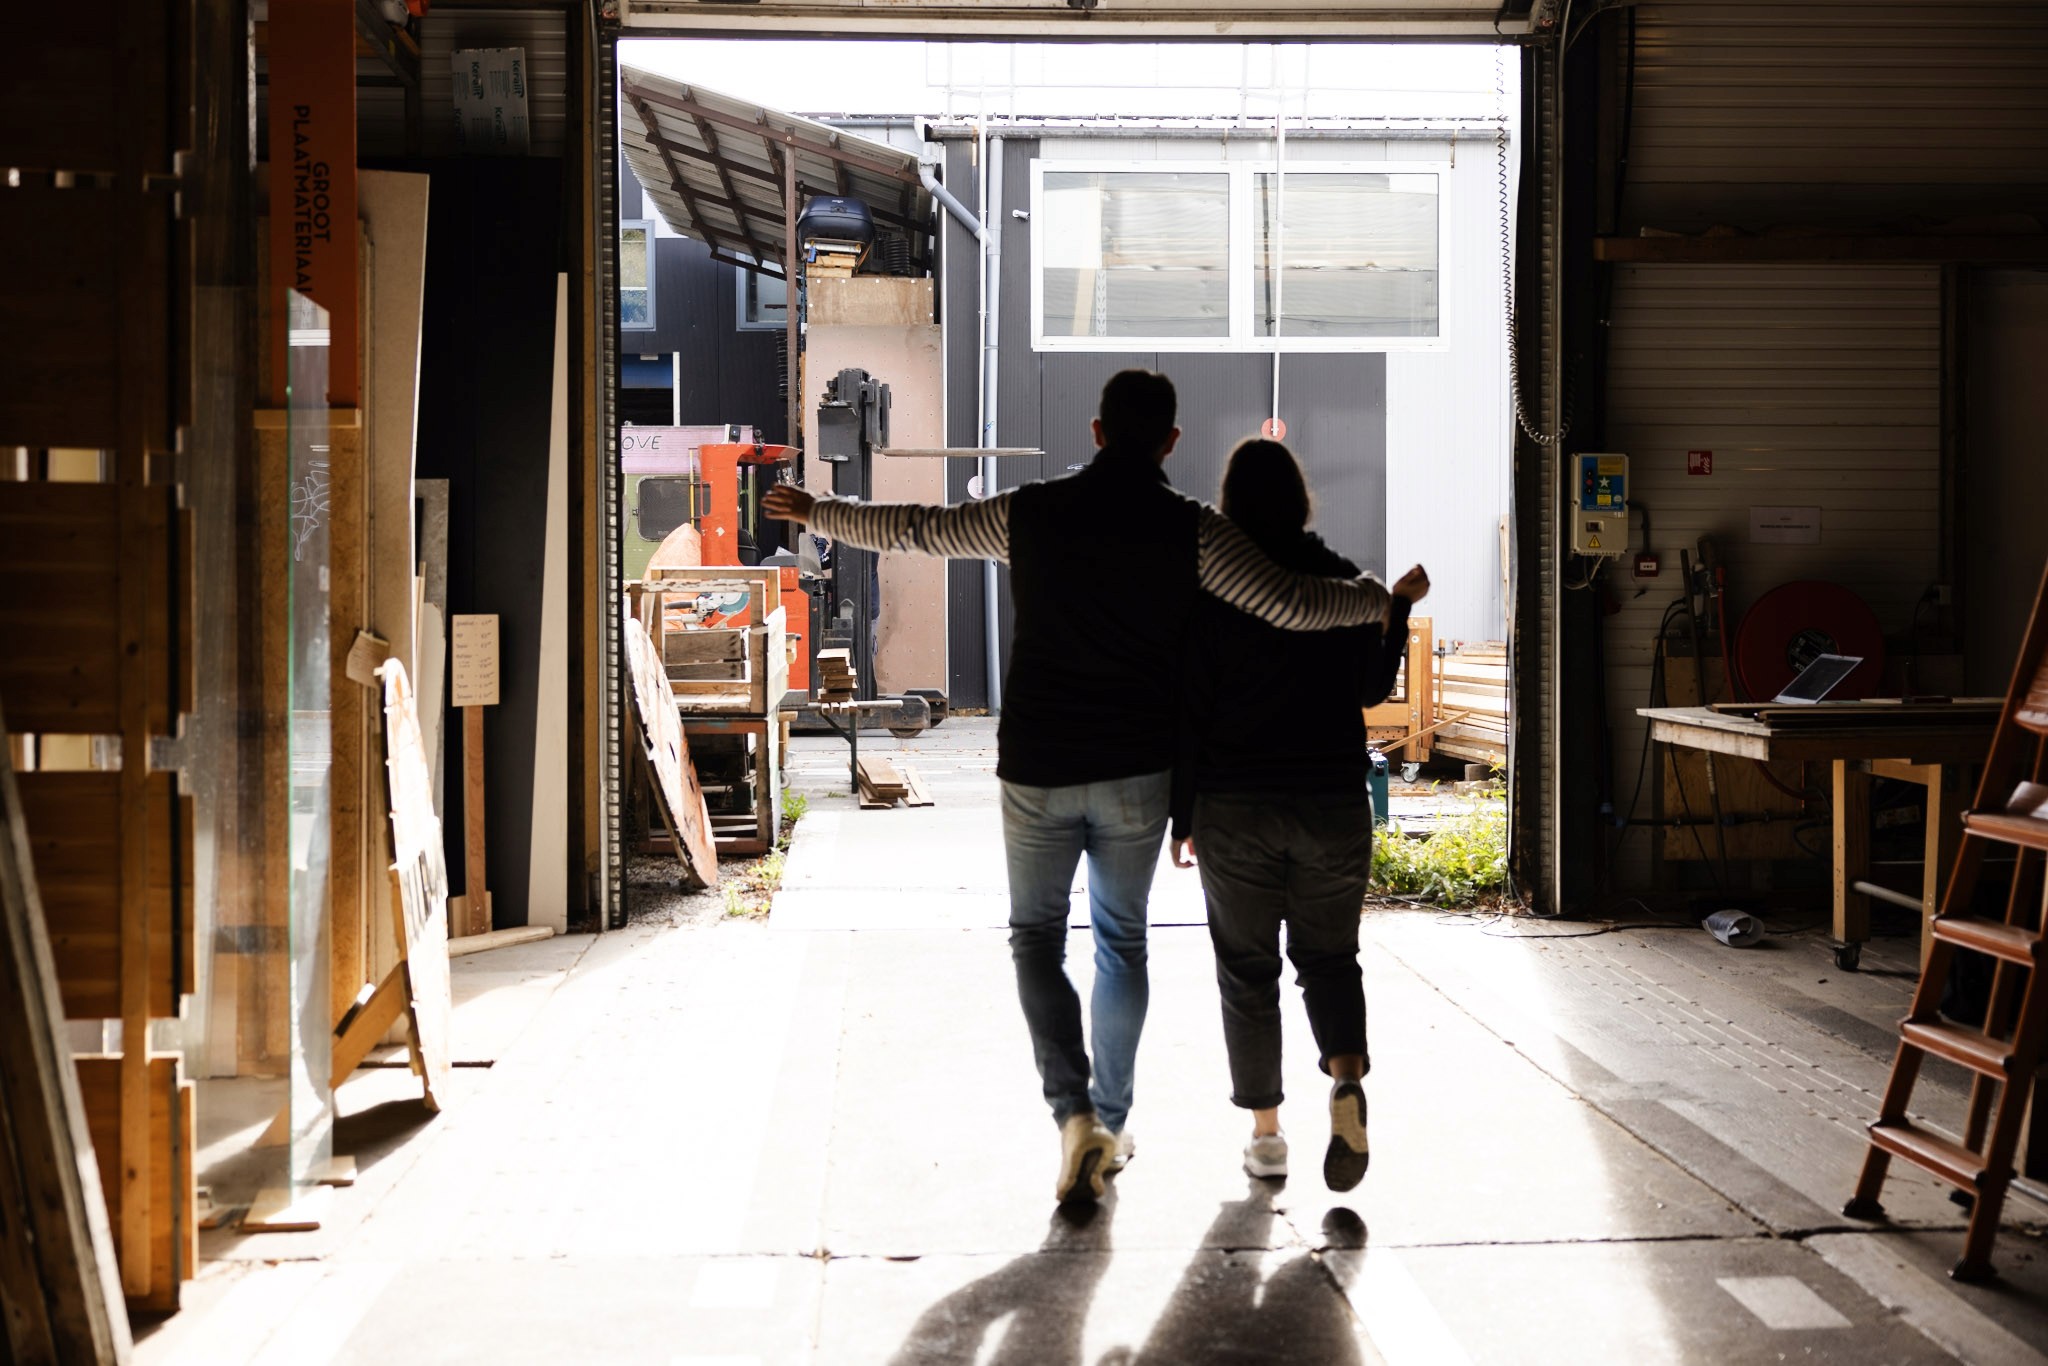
(1838, 109)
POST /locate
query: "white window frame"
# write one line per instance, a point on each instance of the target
(740, 321)
(1243, 266)
(647, 225)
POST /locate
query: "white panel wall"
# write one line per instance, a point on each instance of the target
(1812, 386)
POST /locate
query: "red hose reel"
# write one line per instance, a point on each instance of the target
(1786, 628)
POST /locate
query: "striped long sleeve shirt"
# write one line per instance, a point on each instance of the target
(1228, 565)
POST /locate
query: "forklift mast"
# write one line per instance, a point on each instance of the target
(853, 423)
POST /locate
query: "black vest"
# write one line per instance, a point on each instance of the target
(1103, 573)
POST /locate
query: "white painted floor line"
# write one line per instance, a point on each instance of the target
(1783, 1302)
(1930, 1305)
(1404, 1326)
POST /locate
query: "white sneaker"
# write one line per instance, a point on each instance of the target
(1086, 1149)
(1266, 1156)
(1345, 1163)
(1126, 1149)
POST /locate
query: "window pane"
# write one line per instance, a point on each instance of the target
(1359, 253)
(633, 308)
(766, 298)
(1135, 254)
(633, 258)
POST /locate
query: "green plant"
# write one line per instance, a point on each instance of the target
(1461, 860)
(794, 806)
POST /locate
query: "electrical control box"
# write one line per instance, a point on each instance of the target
(1600, 505)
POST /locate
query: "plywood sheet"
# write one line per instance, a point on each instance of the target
(910, 638)
(419, 864)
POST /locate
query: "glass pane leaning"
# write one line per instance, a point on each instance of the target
(1136, 254)
(1357, 254)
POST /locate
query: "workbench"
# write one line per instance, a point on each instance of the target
(1931, 744)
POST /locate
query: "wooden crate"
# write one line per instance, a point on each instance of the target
(1392, 724)
(751, 685)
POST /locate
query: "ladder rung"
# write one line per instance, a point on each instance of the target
(1952, 1162)
(2007, 828)
(1994, 937)
(1972, 1048)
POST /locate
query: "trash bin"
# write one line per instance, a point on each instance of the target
(1377, 779)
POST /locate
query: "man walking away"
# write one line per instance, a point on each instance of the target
(1086, 744)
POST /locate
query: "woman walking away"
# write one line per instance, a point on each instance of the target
(1280, 816)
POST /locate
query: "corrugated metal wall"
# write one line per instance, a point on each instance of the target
(1817, 384)
(1813, 387)
(1854, 107)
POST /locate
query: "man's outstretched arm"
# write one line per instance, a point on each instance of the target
(961, 531)
(1237, 571)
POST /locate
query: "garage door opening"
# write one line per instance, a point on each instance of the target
(1308, 239)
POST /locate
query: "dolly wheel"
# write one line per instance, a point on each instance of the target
(906, 732)
(1847, 956)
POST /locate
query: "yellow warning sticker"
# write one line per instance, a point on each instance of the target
(1592, 543)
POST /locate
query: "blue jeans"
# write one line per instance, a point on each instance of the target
(1119, 825)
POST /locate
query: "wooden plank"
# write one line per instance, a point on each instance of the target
(916, 794)
(349, 859)
(476, 896)
(868, 301)
(58, 1278)
(74, 824)
(882, 776)
(101, 1083)
(500, 939)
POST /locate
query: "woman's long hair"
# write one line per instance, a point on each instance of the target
(1264, 491)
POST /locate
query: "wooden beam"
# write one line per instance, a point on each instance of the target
(1981, 249)
(732, 194)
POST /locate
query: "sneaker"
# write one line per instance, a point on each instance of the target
(1344, 1164)
(1266, 1155)
(1086, 1149)
(1126, 1149)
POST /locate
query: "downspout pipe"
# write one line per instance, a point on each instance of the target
(950, 203)
(992, 295)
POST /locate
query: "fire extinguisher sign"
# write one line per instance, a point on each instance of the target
(1699, 462)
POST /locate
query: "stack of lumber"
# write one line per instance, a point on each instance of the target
(837, 678)
(1473, 680)
(826, 259)
(884, 783)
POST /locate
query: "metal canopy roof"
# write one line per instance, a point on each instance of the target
(718, 169)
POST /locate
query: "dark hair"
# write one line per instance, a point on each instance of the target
(1264, 491)
(1138, 408)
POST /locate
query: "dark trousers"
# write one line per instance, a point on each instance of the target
(1302, 861)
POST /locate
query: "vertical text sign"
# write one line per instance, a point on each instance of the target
(313, 234)
(475, 671)
(1699, 462)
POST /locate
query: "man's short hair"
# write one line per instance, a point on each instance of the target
(1138, 409)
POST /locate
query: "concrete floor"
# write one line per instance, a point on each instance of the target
(819, 1139)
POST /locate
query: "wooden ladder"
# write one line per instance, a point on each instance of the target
(2011, 810)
